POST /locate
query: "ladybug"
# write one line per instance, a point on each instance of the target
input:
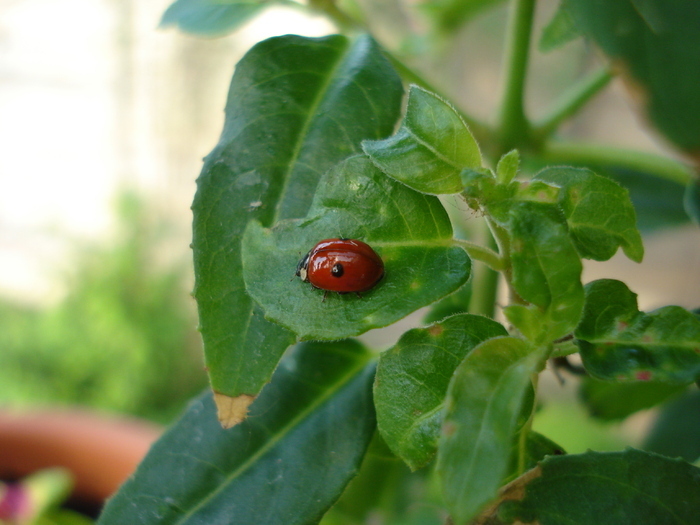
(341, 265)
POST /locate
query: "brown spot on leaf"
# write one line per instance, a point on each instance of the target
(436, 330)
(448, 428)
(643, 375)
(232, 410)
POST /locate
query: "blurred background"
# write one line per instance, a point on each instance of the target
(104, 120)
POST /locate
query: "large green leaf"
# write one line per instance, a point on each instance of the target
(412, 380)
(211, 17)
(430, 149)
(676, 431)
(608, 489)
(288, 120)
(272, 468)
(410, 231)
(598, 211)
(483, 403)
(546, 266)
(613, 401)
(618, 342)
(655, 44)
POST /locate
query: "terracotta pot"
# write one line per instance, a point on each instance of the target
(100, 451)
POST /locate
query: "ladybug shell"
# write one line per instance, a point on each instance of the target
(341, 265)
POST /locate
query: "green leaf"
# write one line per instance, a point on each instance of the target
(691, 199)
(507, 167)
(481, 414)
(654, 44)
(287, 122)
(676, 431)
(546, 266)
(319, 405)
(560, 30)
(410, 231)
(614, 401)
(658, 202)
(379, 491)
(618, 342)
(211, 17)
(412, 380)
(608, 489)
(599, 213)
(430, 149)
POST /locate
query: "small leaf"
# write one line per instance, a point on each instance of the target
(286, 123)
(598, 211)
(676, 431)
(430, 149)
(482, 407)
(410, 231)
(211, 17)
(560, 30)
(615, 401)
(507, 167)
(529, 320)
(319, 405)
(546, 266)
(654, 44)
(691, 199)
(412, 380)
(618, 342)
(608, 488)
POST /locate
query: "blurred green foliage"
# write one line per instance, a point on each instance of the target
(122, 339)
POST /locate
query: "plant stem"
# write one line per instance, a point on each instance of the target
(614, 157)
(484, 281)
(571, 101)
(512, 123)
(344, 22)
(481, 253)
(525, 430)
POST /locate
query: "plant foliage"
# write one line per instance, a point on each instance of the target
(315, 146)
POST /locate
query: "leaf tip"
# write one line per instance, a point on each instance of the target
(232, 410)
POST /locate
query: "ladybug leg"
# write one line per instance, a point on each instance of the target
(325, 293)
(358, 294)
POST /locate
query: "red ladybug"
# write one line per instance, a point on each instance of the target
(341, 265)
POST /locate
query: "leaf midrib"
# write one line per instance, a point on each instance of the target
(311, 117)
(270, 444)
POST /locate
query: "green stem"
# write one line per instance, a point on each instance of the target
(614, 157)
(564, 348)
(525, 430)
(344, 22)
(571, 101)
(484, 282)
(481, 253)
(512, 123)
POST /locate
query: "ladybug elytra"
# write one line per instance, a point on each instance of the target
(341, 265)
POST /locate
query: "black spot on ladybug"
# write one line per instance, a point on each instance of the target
(337, 270)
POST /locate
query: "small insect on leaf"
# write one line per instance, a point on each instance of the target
(341, 265)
